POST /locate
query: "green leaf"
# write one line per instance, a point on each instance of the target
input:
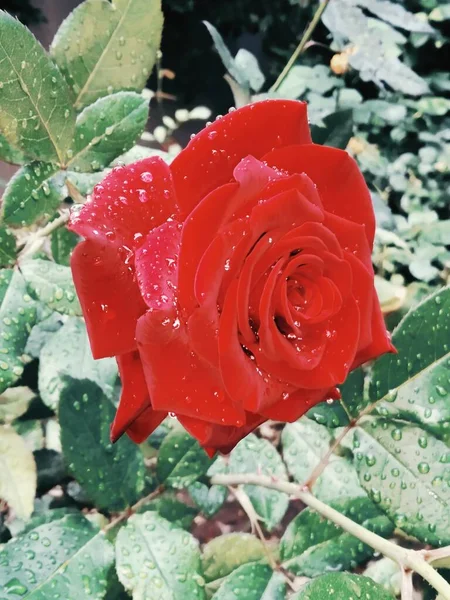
(47, 516)
(342, 586)
(63, 242)
(41, 333)
(17, 317)
(36, 114)
(352, 392)
(209, 499)
(252, 582)
(387, 573)
(8, 251)
(106, 129)
(5, 280)
(104, 47)
(396, 15)
(111, 475)
(156, 560)
(305, 443)
(331, 415)
(223, 554)
(52, 285)
(10, 154)
(434, 105)
(181, 460)
(312, 544)
(413, 385)
(33, 192)
(68, 352)
(17, 473)
(405, 471)
(337, 131)
(170, 508)
(440, 13)
(226, 57)
(14, 403)
(254, 455)
(68, 558)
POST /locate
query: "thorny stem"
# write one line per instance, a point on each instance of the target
(126, 514)
(407, 591)
(319, 468)
(247, 506)
(305, 38)
(407, 559)
(36, 240)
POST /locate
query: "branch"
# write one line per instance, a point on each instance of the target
(126, 514)
(305, 38)
(36, 240)
(406, 559)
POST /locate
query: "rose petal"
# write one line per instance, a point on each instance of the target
(98, 273)
(292, 406)
(337, 176)
(337, 359)
(114, 222)
(381, 340)
(156, 261)
(179, 381)
(215, 438)
(134, 413)
(243, 381)
(209, 159)
(129, 201)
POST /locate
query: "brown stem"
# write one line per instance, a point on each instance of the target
(127, 513)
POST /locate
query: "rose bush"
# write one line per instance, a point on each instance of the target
(234, 285)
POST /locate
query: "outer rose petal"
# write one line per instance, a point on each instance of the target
(178, 380)
(134, 414)
(109, 297)
(128, 203)
(215, 438)
(381, 341)
(340, 183)
(130, 200)
(294, 405)
(209, 159)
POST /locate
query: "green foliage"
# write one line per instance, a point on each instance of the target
(157, 560)
(252, 582)
(342, 586)
(181, 460)
(68, 557)
(105, 47)
(36, 114)
(52, 285)
(257, 455)
(33, 192)
(84, 414)
(312, 545)
(107, 129)
(305, 443)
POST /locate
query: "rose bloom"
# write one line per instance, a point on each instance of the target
(234, 285)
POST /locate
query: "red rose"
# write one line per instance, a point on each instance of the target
(234, 285)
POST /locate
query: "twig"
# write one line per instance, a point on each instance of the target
(439, 557)
(405, 558)
(126, 514)
(36, 240)
(407, 591)
(252, 515)
(305, 38)
(320, 467)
